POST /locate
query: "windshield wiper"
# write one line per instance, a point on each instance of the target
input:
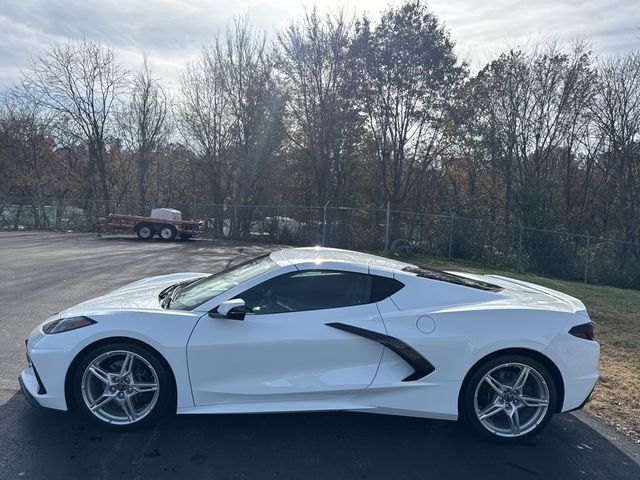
(169, 298)
(167, 291)
(167, 295)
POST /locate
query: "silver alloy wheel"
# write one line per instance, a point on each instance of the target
(166, 233)
(120, 387)
(511, 399)
(145, 232)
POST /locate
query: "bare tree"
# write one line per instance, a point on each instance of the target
(80, 80)
(531, 120)
(203, 120)
(231, 116)
(26, 137)
(408, 71)
(255, 106)
(616, 115)
(27, 151)
(323, 123)
(145, 125)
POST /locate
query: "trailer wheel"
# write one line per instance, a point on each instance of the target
(168, 232)
(144, 231)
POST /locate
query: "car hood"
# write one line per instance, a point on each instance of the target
(142, 294)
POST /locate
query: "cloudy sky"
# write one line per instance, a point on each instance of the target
(172, 31)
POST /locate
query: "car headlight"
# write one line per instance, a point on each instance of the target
(66, 324)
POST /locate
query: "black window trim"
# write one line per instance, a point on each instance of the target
(298, 271)
(442, 276)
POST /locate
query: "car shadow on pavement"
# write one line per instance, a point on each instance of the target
(50, 445)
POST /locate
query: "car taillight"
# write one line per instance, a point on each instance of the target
(584, 330)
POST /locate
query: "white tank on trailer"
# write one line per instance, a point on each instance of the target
(166, 214)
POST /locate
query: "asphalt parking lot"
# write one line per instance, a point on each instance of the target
(42, 273)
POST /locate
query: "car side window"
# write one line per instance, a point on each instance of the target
(314, 290)
(383, 287)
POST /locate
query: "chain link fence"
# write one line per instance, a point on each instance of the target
(565, 255)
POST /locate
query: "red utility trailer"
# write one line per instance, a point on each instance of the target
(164, 222)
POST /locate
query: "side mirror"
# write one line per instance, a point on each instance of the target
(232, 309)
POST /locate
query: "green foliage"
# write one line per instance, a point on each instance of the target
(614, 263)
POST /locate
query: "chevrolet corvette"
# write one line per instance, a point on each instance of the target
(319, 329)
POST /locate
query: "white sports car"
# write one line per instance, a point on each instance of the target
(318, 329)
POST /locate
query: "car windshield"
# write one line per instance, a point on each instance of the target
(203, 290)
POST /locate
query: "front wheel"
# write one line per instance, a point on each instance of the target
(124, 386)
(509, 399)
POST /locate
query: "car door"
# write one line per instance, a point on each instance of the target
(284, 347)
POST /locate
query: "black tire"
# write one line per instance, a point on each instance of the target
(531, 420)
(86, 389)
(167, 232)
(144, 231)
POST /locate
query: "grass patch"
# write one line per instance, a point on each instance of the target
(616, 311)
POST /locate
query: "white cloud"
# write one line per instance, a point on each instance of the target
(483, 29)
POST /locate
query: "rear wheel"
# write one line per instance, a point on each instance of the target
(510, 398)
(144, 231)
(168, 232)
(124, 386)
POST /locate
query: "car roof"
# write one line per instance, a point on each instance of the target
(293, 256)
